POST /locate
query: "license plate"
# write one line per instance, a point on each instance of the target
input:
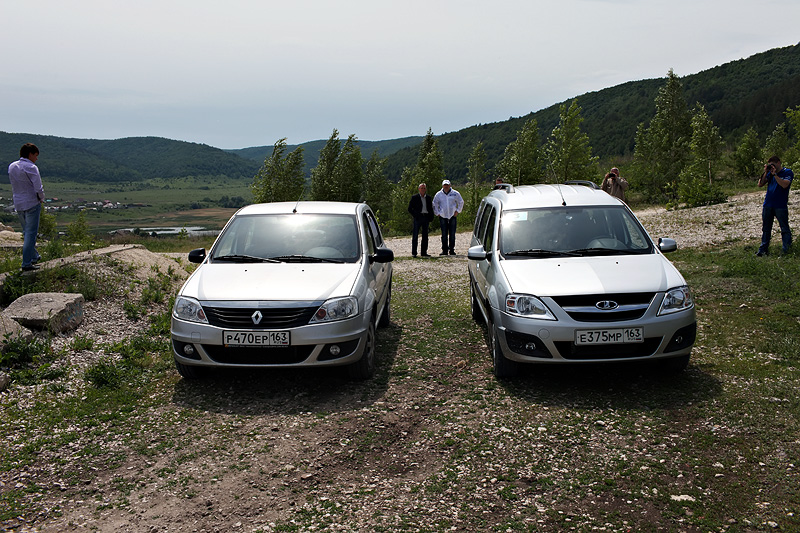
(256, 338)
(609, 336)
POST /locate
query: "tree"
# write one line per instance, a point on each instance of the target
(377, 188)
(662, 148)
(348, 175)
(697, 178)
(522, 161)
(322, 180)
(777, 142)
(476, 176)
(747, 156)
(280, 179)
(568, 148)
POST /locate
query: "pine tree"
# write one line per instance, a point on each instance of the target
(746, 159)
(322, 179)
(280, 178)
(662, 148)
(476, 176)
(522, 162)
(348, 175)
(568, 148)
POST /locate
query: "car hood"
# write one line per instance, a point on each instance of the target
(591, 275)
(271, 281)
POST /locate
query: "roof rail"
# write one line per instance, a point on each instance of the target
(504, 187)
(585, 183)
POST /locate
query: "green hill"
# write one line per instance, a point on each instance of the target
(737, 95)
(130, 159)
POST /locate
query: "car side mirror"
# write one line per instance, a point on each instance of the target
(477, 253)
(382, 255)
(197, 255)
(667, 245)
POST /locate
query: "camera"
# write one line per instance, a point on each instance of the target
(771, 168)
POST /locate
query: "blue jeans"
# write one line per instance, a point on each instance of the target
(448, 233)
(420, 223)
(30, 228)
(768, 214)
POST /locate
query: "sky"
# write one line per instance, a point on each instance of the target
(242, 73)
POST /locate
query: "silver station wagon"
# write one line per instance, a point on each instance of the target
(286, 285)
(567, 274)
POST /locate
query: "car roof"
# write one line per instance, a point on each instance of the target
(547, 195)
(327, 208)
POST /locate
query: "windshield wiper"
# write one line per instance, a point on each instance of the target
(539, 252)
(241, 258)
(303, 259)
(607, 251)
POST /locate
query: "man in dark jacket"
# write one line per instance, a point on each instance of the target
(421, 209)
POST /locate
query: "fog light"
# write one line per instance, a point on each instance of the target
(531, 346)
(188, 349)
(334, 349)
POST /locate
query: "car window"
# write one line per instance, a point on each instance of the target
(320, 236)
(587, 230)
(477, 222)
(371, 245)
(488, 238)
(374, 229)
(488, 209)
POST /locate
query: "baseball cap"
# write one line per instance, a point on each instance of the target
(446, 182)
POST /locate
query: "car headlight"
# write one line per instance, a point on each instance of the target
(527, 306)
(336, 309)
(189, 309)
(675, 300)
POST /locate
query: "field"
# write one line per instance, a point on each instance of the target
(179, 202)
(105, 436)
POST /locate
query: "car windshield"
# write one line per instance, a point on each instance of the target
(569, 231)
(289, 238)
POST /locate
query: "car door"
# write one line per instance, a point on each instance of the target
(380, 274)
(485, 235)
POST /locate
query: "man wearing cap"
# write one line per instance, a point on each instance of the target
(447, 204)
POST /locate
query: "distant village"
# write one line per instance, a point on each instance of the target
(53, 204)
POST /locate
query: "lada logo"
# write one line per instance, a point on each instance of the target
(606, 305)
(257, 316)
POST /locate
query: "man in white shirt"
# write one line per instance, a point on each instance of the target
(447, 204)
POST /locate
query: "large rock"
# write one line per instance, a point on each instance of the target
(54, 311)
(11, 330)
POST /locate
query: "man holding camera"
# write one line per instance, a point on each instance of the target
(776, 204)
(614, 184)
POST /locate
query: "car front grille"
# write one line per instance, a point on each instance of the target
(271, 318)
(569, 350)
(241, 355)
(626, 306)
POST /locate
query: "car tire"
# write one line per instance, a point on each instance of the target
(477, 316)
(364, 368)
(189, 371)
(386, 316)
(677, 364)
(503, 368)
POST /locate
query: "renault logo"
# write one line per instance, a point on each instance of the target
(257, 316)
(606, 305)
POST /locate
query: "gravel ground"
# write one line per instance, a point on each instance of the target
(248, 453)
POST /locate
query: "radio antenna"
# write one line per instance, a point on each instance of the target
(298, 200)
(558, 185)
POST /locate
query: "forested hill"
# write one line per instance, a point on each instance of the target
(737, 95)
(129, 159)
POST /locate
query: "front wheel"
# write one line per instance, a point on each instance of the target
(503, 367)
(364, 368)
(189, 371)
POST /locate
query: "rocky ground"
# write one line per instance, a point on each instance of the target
(248, 453)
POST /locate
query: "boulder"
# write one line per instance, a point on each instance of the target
(54, 311)
(10, 330)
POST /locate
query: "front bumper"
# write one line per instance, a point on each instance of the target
(327, 344)
(528, 340)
